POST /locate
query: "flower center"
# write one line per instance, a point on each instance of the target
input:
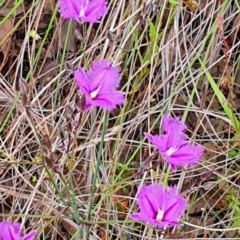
(82, 11)
(94, 93)
(160, 215)
(171, 150)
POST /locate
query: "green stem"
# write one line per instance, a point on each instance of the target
(12, 11)
(54, 184)
(93, 190)
(165, 182)
(62, 63)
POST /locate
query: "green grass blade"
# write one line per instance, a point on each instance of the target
(221, 98)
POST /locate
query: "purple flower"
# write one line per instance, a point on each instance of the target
(173, 145)
(159, 206)
(85, 10)
(12, 231)
(99, 85)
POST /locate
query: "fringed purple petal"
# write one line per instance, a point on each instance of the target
(160, 142)
(82, 81)
(174, 124)
(187, 154)
(104, 74)
(30, 236)
(143, 218)
(94, 11)
(175, 205)
(12, 231)
(70, 9)
(108, 101)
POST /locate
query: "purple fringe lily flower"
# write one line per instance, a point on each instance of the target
(173, 145)
(84, 10)
(159, 206)
(99, 85)
(12, 231)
